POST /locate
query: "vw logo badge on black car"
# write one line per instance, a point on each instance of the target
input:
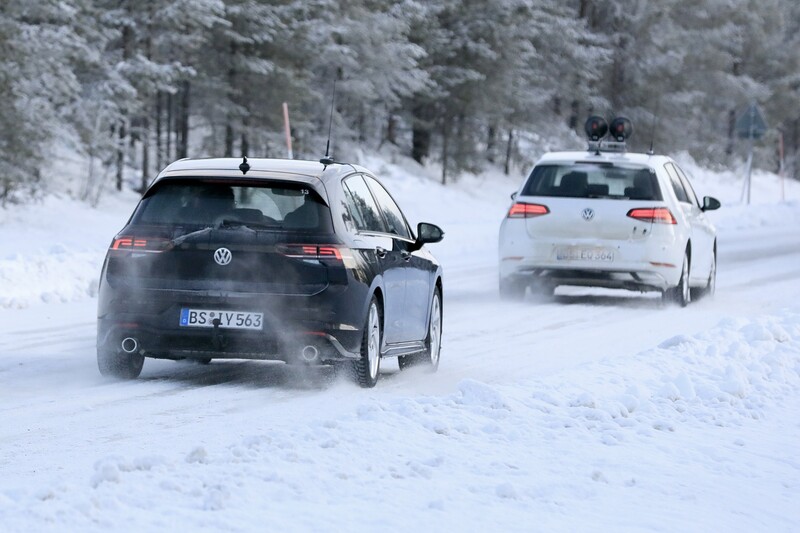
(587, 214)
(223, 256)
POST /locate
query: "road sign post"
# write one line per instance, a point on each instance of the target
(781, 170)
(751, 126)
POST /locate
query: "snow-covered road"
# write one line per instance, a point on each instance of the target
(596, 410)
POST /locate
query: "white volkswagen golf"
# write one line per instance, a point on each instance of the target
(608, 218)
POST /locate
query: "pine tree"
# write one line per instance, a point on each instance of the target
(38, 47)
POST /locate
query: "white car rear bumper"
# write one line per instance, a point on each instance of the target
(646, 264)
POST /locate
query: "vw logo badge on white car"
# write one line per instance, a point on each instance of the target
(223, 256)
(587, 214)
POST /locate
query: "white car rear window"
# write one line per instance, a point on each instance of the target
(593, 181)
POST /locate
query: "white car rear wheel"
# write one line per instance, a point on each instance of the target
(680, 294)
(711, 284)
(512, 290)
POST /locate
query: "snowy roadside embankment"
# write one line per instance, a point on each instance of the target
(689, 436)
(52, 251)
(774, 202)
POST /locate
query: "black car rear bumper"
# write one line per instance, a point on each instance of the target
(330, 322)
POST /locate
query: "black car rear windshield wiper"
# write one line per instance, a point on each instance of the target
(234, 222)
(179, 240)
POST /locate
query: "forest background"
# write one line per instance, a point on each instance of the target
(126, 86)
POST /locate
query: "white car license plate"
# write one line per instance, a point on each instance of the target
(204, 318)
(584, 254)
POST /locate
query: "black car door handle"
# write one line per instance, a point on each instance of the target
(381, 252)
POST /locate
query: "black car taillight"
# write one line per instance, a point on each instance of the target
(337, 259)
(524, 210)
(140, 244)
(324, 252)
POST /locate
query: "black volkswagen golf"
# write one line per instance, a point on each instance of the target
(270, 259)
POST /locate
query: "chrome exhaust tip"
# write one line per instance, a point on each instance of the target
(129, 345)
(310, 353)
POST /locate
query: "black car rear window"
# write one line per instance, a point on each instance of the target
(582, 180)
(204, 203)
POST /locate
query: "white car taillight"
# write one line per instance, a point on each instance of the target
(523, 210)
(658, 215)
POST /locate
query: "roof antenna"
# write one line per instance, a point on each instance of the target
(653, 129)
(328, 160)
(244, 166)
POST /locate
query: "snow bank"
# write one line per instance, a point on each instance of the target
(774, 202)
(52, 251)
(612, 446)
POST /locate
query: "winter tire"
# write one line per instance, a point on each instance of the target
(433, 342)
(681, 294)
(512, 290)
(367, 368)
(711, 284)
(119, 365)
(542, 291)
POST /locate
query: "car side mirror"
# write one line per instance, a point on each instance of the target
(428, 233)
(514, 195)
(710, 203)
